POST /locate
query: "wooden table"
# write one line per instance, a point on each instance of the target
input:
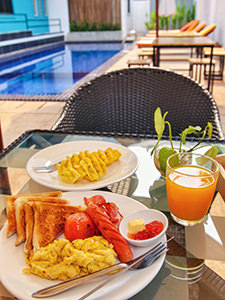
(183, 42)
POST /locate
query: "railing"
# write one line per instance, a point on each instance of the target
(56, 23)
(45, 22)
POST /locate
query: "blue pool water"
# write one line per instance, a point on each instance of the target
(52, 72)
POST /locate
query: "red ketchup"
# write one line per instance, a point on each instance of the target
(151, 229)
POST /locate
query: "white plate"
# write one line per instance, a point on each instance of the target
(119, 170)
(12, 262)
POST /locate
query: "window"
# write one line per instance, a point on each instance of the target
(40, 7)
(35, 7)
(6, 7)
(128, 6)
(45, 8)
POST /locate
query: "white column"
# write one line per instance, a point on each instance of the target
(140, 14)
(124, 19)
(58, 9)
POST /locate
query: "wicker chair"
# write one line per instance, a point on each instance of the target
(123, 103)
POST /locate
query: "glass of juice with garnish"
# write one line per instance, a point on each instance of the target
(191, 180)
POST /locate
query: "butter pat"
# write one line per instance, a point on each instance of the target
(136, 225)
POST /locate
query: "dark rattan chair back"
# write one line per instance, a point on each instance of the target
(123, 102)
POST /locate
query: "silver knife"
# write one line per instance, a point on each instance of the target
(85, 296)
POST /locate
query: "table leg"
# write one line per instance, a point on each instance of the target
(158, 57)
(210, 68)
(221, 66)
(153, 57)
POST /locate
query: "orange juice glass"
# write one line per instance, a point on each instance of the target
(190, 184)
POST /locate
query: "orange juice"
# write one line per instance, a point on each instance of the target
(190, 190)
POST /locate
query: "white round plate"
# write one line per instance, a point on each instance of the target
(12, 262)
(117, 171)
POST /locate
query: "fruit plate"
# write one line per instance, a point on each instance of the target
(117, 171)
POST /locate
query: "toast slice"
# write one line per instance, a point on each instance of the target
(10, 208)
(29, 220)
(49, 220)
(20, 214)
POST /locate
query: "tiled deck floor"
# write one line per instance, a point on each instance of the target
(18, 116)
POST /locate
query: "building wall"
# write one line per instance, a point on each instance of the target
(24, 17)
(133, 15)
(140, 14)
(59, 9)
(213, 12)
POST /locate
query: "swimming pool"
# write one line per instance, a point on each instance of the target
(54, 71)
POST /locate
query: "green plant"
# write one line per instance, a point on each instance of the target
(174, 21)
(188, 16)
(193, 11)
(85, 25)
(165, 152)
(180, 13)
(151, 25)
(93, 26)
(190, 13)
(162, 22)
(116, 26)
(104, 26)
(183, 15)
(73, 26)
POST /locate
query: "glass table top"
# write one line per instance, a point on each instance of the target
(194, 267)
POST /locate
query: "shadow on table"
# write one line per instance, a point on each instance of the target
(151, 290)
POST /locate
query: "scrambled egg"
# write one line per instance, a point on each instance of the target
(64, 260)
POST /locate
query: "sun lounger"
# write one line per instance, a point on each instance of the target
(147, 40)
(200, 26)
(193, 25)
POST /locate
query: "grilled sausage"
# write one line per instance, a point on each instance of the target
(110, 232)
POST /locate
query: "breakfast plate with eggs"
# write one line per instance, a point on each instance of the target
(23, 285)
(83, 165)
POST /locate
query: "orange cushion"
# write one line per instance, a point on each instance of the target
(186, 26)
(200, 27)
(207, 30)
(144, 43)
(193, 25)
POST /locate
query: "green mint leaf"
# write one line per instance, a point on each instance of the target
(210, 129)
(212, 152)
(220, 149)
(174, 161)
(195, 130)
(159, 122)
(164, 154)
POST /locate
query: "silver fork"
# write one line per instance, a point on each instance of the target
(46, 169)
(140, 262)
(148, 261)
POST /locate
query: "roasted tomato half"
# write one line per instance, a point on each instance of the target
(79, 226)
